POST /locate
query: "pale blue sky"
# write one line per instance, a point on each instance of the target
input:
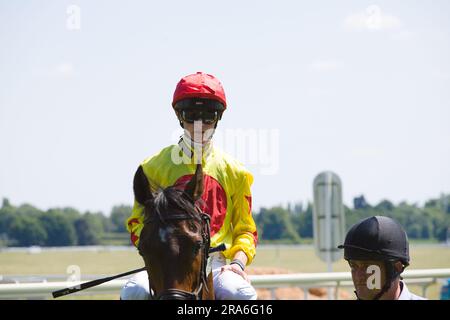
(357, 87)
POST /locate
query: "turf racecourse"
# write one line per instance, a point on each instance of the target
(106, 262)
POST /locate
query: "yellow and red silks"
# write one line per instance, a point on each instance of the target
(226, 197)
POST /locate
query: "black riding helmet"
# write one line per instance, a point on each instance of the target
(378, 238)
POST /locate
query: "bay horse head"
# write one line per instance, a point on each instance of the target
(175, 239)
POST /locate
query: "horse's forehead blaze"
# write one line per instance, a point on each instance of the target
(164, 233)
(214, 199)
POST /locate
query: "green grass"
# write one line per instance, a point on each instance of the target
(423, 241)
(110, 263)
(305, 260)
(102, 262)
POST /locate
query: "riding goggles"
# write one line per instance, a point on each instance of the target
(207, 116)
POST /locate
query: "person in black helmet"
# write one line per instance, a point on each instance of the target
(377, 251)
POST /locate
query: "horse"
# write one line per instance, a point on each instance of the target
(175, 240)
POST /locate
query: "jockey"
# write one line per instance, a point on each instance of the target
(199, 101)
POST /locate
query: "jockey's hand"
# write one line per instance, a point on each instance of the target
(236, 269)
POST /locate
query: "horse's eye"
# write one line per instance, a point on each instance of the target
(193, 227)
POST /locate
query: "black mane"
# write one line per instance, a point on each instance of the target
(169, 202)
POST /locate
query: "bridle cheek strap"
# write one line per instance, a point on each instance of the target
(202, 281)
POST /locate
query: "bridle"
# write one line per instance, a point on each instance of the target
(178, 294)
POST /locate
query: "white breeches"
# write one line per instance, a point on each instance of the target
(227, 285)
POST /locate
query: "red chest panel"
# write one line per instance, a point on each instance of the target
(214, 200)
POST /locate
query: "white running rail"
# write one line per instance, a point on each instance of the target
(43, 290)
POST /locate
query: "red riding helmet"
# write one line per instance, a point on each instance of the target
(199, 85)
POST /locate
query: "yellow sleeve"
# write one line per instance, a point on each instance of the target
(135, 222)
(245, 235)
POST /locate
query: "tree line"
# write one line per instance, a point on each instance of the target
(26, 225)
(292, 223)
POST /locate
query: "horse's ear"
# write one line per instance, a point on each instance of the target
(194, 188)
(141, 187)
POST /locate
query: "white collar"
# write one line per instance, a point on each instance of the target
(190, 147)
(406, 294)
